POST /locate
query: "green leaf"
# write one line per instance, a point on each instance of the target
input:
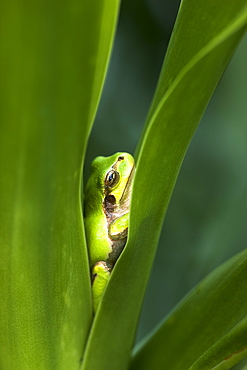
(242, 367)
(207, 329)
(228, 351)
(172, 121)
(53, 63)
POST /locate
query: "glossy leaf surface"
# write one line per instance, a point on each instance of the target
(207, 329)
(53, 59)
(186, 85)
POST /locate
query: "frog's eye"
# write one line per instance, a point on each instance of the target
(112, 178)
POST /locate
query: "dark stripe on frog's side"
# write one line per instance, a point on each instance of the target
(119, 240)
(117, 247)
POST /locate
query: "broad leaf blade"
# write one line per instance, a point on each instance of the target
(207, 328)
(196, 27)
(228, 351)
(53, 59)
(171, 124)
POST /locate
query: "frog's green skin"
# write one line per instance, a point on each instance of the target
(107, 203)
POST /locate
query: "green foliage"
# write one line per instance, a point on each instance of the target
(49, 95)
(53, 65)
(207, 329)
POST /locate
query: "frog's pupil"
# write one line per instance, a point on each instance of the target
(111, 177)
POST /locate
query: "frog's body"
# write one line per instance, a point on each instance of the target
(107, 203)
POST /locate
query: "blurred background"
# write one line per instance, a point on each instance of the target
(206, 219)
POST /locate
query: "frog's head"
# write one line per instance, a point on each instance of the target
(112, 176)
(118, 178)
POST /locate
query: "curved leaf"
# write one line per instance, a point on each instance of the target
(207, 329)
(53, 63)
(173, 119)
(228, 351)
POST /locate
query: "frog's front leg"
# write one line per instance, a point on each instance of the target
(118, 228)
(117, 232)
(101, 275)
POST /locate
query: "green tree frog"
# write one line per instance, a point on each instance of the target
(107, 204)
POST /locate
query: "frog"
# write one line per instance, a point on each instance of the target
(107, 205)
